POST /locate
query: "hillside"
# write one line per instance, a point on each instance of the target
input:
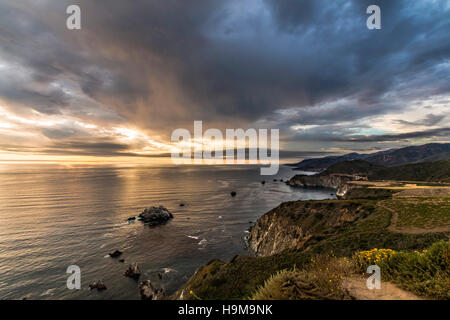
(438, 171)
(294, 240)
(319, 164)
(296, 234)
(387, 158)
(415, 154)
(357, 167)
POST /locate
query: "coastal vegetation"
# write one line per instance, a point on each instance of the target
(321, 278)
(424, 272)
(239, 277)
(245, 277)
(438, 171)
(309, 249)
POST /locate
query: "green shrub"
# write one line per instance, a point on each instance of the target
(426, 272)
(319, 280)
(298, 285)
(240, 277)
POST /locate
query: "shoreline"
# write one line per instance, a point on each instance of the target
(292, 233)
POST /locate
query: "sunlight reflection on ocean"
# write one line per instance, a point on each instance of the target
(53, 216)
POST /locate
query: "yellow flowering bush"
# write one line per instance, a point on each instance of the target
(424, 272)
(364, 259)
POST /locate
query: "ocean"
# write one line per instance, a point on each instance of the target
(53, 216)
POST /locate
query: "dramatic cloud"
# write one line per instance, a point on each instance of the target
(441, 132)
(138, 70)
(429, 120)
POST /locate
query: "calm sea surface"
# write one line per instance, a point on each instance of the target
(54, 216)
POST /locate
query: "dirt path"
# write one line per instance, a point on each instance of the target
(408, 230)
(358, 289)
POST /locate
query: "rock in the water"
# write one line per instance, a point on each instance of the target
(281, 180)
(115, 254)
(263, 182)
(233, 193)
(122, 260)
(155, 215)
(275, 180)
(181, 204)
(99, 285)
(131, 219)
(148, 292)
(133, 271)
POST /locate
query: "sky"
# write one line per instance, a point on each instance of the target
(138, 70)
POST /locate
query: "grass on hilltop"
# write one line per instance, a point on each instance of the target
(369, 231)
(421, 212)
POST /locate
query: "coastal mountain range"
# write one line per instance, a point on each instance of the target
(388, 158)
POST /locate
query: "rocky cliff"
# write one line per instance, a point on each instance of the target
(319, 181)
(333, 181)
(292, 224)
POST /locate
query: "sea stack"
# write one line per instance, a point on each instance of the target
(148, 292)
(155, 215)
(115, 254)
(99, 285)
(133, 271)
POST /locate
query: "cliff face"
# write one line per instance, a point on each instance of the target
(319, 181)
(292, 224)
(343, 190)
(338, 182)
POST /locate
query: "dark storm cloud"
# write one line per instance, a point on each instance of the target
(162, 64)
(47, 103)
(324, 136)
(88, 148)
(63, 133)
(443, 132)
(101, 147)
(234, 76)
(429, 120)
